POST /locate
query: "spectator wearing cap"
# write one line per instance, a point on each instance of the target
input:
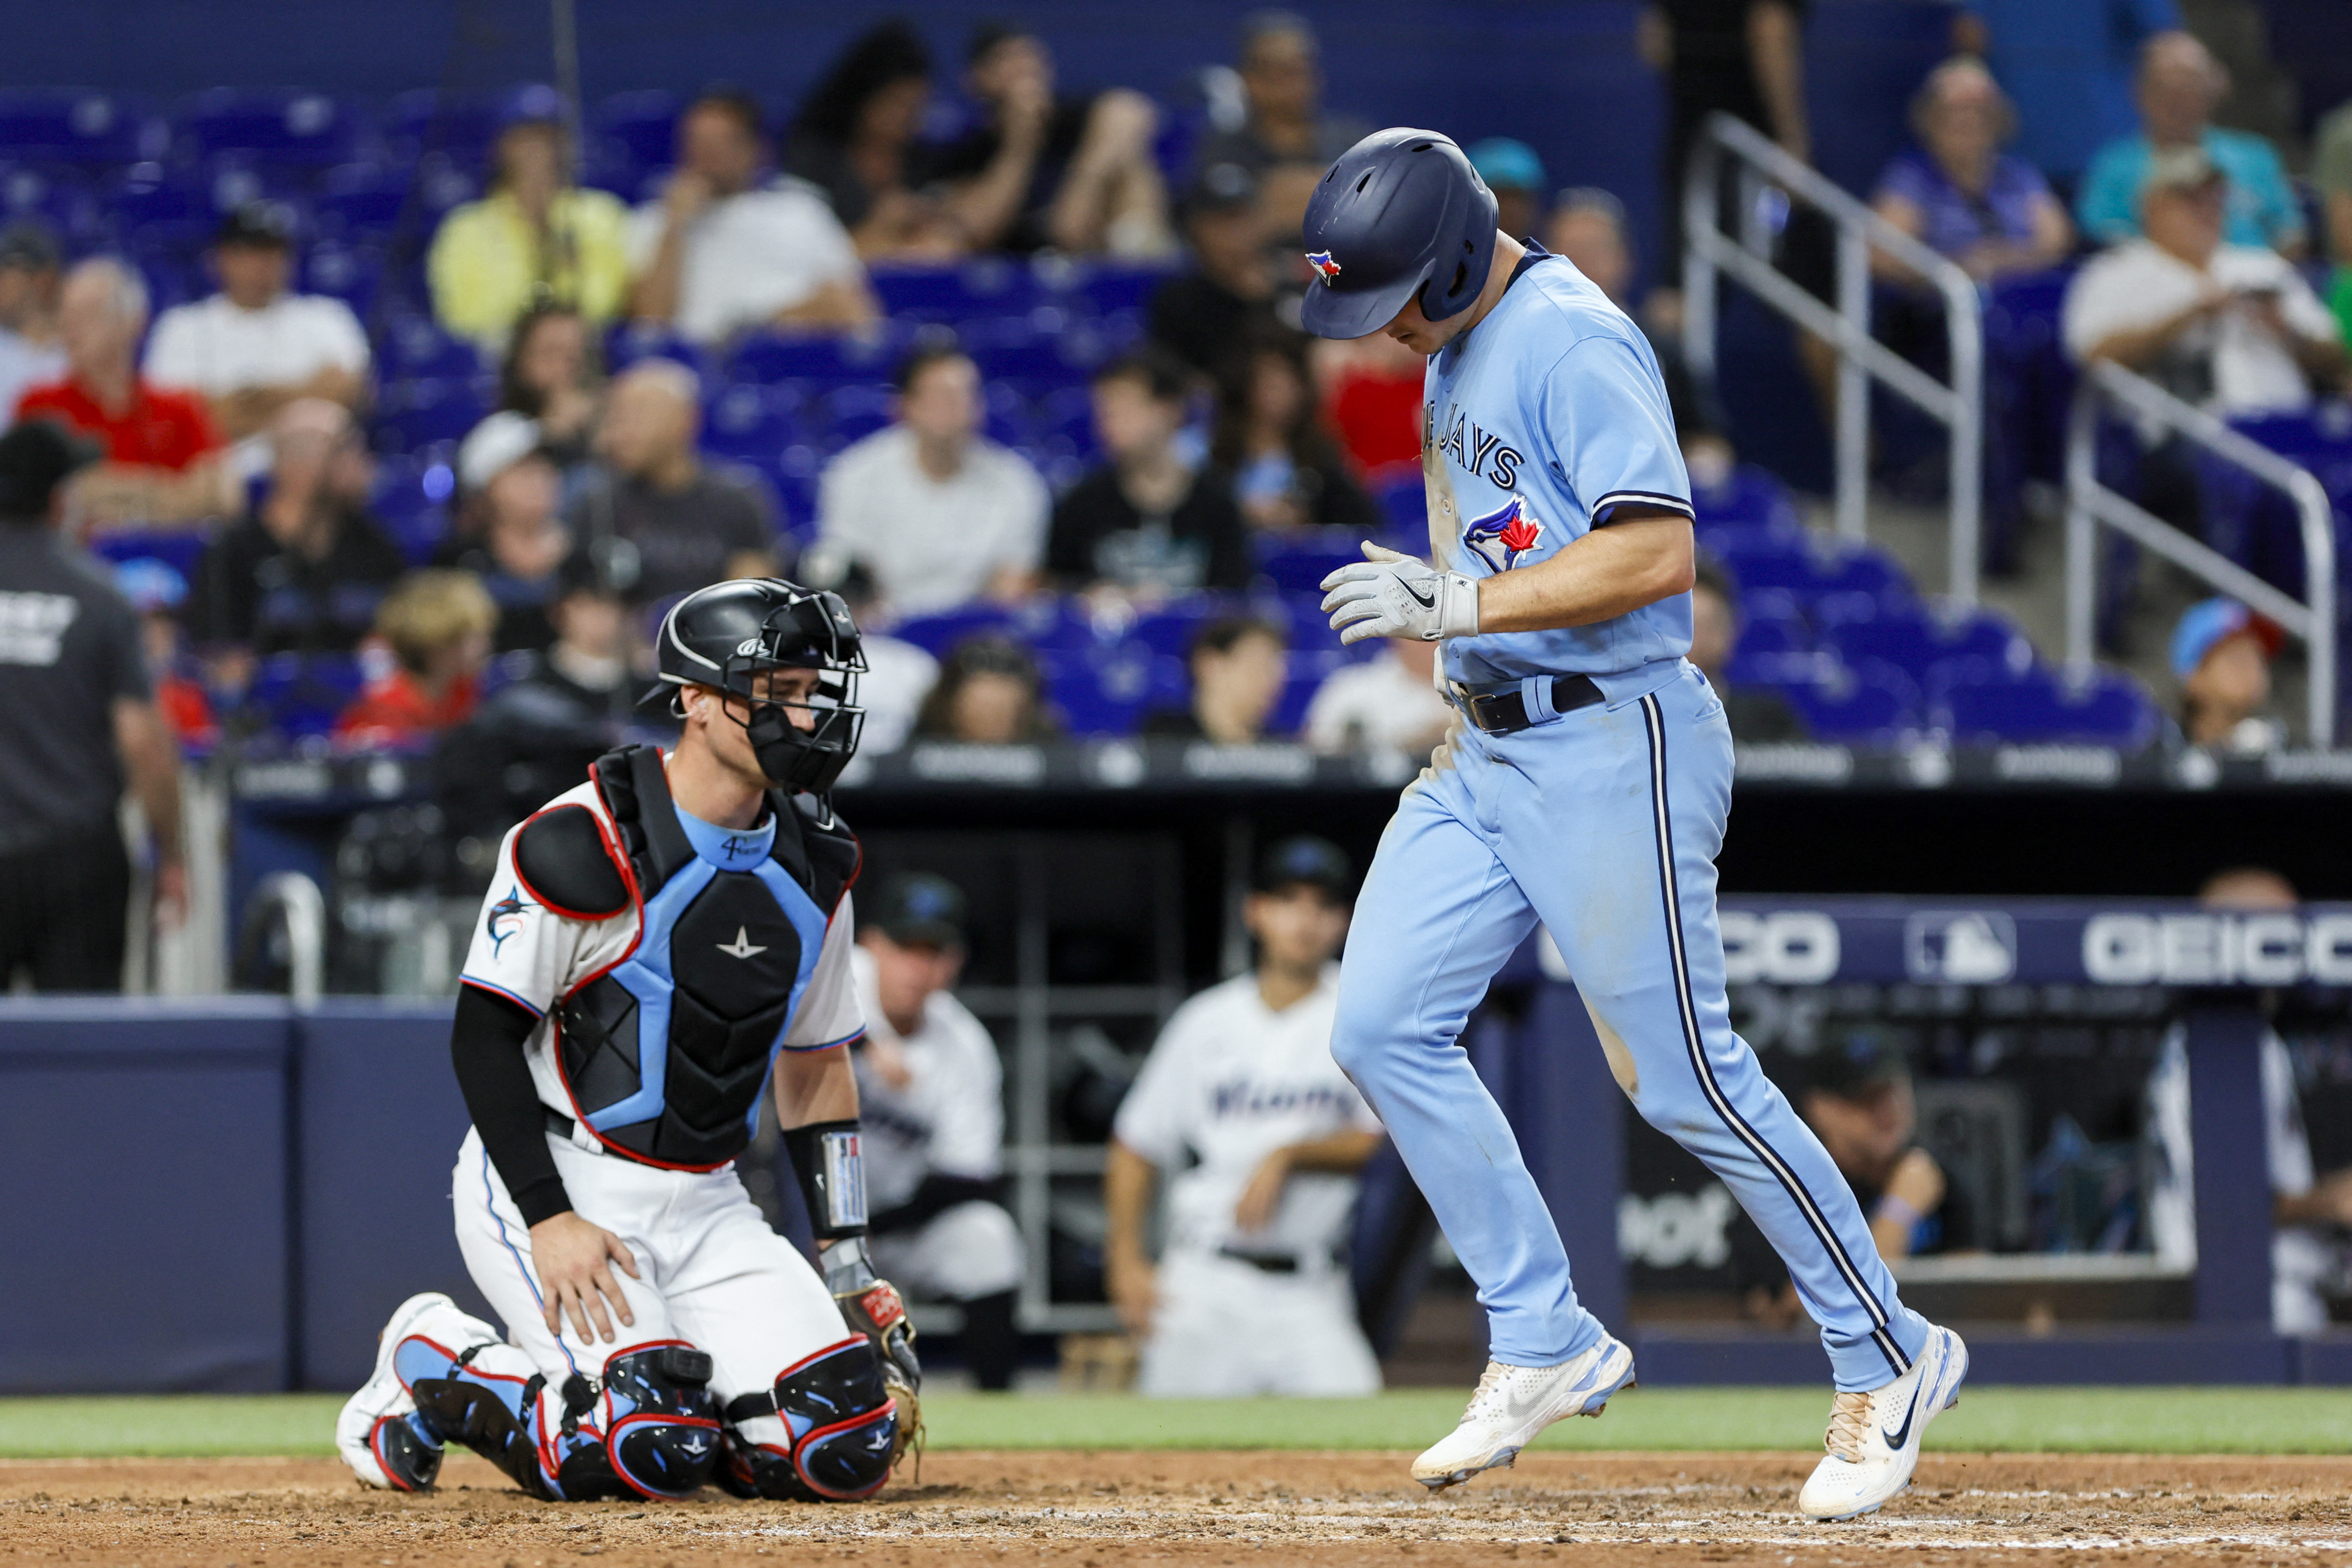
(1147, 524)
(29, 350)
(725, 251)
(930, 1092)
(2230, 327)
(161, 449)
(1588, 226)
(1516, 175)
(1259, 1138)
(1042, 171)
(1229, 290)
(1288, 474)
(437, 626)
(661, 520)
(536, 241)
(939, 514)
(1960, 194)
(1383, 708)
(1239, 666)
(157, 591)
(304, 570)
(2222, 654)
(256, 345)
(533, 737)
(1854, 1091)
(552, 376)
(2180, 86)
(78, 717)
(510, 533)
(989, 693)
(1758, 715)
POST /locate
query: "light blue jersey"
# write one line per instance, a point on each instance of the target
(1536, 425)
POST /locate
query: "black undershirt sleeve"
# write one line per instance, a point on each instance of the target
(485, 1046)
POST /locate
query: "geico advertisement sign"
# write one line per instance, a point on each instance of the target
(2203, 949)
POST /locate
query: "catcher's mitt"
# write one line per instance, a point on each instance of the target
(872, 1307)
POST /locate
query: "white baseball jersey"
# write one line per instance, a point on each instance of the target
(951, 1119)
(1229, 1082)
(531, 954)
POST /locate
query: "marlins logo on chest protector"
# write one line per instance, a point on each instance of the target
(663, 1053)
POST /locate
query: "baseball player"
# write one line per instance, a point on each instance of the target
(1261, 1136)
(932, 1092)
(1585, 785)
(657, 943)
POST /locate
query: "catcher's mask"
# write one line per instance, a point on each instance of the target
(725, 636)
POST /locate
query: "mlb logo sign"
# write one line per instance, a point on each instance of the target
(1963, 947)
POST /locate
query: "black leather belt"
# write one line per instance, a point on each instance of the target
(1503, 710)
(1264, 1262)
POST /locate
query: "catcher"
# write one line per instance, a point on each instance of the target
(658, 943)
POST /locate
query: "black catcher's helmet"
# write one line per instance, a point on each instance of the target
(726, 634)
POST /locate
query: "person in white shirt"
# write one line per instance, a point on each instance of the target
(256, 346)
(1384, 706)
(722, 254)
(939, 514)
(1259, 1135)
(2230, 327)
(930, 1092)
(30, 274)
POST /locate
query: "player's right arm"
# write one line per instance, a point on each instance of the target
(520, 960)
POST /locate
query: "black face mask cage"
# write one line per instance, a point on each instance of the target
(793, 758)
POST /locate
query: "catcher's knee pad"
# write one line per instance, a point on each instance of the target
(487, 1398)
(661, 1421)
(841, 1424)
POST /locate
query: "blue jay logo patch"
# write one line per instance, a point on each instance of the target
(1324, 268)
(1502, 536)
(508, 909)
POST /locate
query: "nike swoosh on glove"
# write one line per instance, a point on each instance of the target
(1390, 595)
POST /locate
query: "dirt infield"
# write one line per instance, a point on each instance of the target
(1092, 1510)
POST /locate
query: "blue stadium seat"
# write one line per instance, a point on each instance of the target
(753, 423)
(852, 413)
(57, 198)
(351, 273)
(425, 119)
(778, 356)
(985, 286)
(2112, 710)
(414, 347)
(641, 127)
(414, 414)
(1404, 501)
(1862, 713)
(77, 125)
(1104, 690)
(937, 633)
(1750, 497)
(288, 127)
(375, 201)
(301, 694)
(156, 210)
(629, 342)
(1110, 287)
(177, 549)
(411, 498)
(1053, 352)
(1299, 567)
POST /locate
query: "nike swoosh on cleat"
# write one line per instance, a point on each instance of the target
(1423, 600)
(1895, 1439)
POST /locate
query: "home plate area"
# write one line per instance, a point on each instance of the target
(1098, 1508)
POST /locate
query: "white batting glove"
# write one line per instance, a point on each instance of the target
(1390, 595)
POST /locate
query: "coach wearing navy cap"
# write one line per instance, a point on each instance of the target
(76, 713)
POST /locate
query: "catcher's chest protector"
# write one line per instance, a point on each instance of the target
(665, 1053)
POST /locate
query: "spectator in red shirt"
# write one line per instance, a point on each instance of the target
(439, 625)
(162, 453)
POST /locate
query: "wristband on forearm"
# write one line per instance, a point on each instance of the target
(831, 1165)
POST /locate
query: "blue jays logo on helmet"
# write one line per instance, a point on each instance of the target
(1323, 266)
(1502, 536)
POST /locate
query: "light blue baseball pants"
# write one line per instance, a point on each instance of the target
(1603, 824)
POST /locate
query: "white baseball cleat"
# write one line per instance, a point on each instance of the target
(1874, 1438)
(1514, 1403)
(378, 1433)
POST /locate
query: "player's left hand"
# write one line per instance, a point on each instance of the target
(1263, 1193)
(1388, 594)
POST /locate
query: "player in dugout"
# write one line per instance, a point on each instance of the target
(657, 943)
(1261, 1136)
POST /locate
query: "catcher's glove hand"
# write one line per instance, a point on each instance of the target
(871, 1306)
(1388, 594)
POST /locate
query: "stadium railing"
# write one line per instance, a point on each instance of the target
(2091, 505)
(1745, 258)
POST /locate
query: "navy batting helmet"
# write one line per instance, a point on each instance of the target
(1401, 213)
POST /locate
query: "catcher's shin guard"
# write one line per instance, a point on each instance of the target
(489, 1398)
(661, 1420)
(841, 1424)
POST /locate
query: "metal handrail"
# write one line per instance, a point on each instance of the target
(306, 930)
(1959, 406)
(2090, 504)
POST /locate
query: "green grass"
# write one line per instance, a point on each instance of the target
(2050, 1420)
